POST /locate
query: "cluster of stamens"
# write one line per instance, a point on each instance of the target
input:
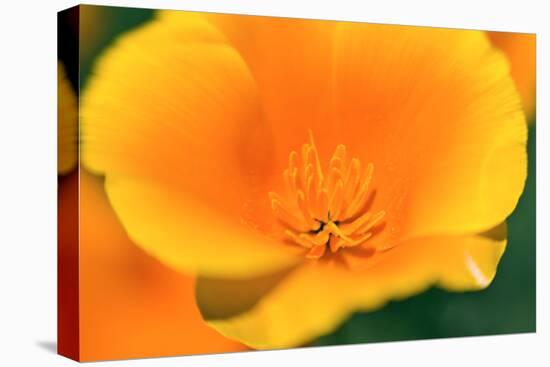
(325, 211)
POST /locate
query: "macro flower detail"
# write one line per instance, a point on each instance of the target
(326, 210)
(305, 170)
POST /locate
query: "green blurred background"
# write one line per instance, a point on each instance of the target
(507, 306)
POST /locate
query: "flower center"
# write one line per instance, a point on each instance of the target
(325, 210)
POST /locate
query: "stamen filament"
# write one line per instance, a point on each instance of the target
(321, 213)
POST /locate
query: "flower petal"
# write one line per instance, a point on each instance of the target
(189, 236)
(131, 305)
(173, 122)
(437, 113)
(520, 48)
(67, 120)
(315, 298)
(290, 60)
(477, 260)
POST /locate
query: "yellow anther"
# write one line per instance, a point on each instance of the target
(325, 211)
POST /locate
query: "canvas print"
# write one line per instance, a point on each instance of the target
(235, 183)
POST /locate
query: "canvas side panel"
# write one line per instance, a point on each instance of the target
(68, 338)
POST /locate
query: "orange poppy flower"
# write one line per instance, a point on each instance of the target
(520, 48)
(307, 169)
(130, 305)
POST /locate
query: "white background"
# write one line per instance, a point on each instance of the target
(28, 184)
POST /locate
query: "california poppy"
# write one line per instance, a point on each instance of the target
(307, 169)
